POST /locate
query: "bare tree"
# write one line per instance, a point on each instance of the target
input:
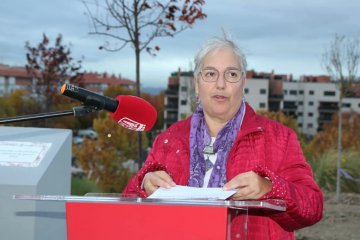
(341, 60)
(138, 22)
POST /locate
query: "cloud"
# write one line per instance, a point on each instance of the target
(287, 36)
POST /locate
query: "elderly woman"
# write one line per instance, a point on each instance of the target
(226, 144)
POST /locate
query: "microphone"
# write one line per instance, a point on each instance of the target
(131, 112)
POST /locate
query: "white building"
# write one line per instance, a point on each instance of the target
(186, 96)
(314, 103)
(179, 97)
(257, 93)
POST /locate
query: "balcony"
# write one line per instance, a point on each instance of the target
(170, 92)
(328, 107)
(171, 107)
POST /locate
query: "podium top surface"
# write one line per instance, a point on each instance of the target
(271, 204)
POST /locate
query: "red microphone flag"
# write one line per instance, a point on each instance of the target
(134, 113)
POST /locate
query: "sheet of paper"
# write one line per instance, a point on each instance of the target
(185, 192)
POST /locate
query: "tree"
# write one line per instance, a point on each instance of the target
(341, 60)
(18, 103)
(327, 139)
(158, 102)
(280, 117)
(103, 159)
(139, 22)
(51, 67)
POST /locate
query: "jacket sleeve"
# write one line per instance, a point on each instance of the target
(133, 187)
(294, 184)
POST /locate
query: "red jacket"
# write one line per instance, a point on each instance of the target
(262, 145)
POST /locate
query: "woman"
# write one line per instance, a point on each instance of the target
(225, 144)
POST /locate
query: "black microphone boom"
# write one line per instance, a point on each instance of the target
(89, 98)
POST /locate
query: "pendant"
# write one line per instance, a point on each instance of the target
(208, 150)
(208, 164)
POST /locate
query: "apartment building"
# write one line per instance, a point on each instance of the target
(311, 100)
(256, 93)
(17, 78)
(179, 99)
(14, 78)
(314, 103)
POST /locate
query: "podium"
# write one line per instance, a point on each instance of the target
(95, 217)
(33, 161)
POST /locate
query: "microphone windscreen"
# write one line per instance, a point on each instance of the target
(134, 113)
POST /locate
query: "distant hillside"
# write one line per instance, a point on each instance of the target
(152, 90)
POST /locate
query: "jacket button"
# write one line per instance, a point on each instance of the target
(166, 141)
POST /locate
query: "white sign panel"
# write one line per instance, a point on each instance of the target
(22, 154)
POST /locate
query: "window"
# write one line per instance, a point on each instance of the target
(172, 115)
(293, 92)
(301, 92)
(246, 91)
(310, 125)
(285, 92)
(183, 102)
(300, 125)
(311, 92)
(184, 88)
(311, 103)
(329, 93)
(347, 105)
(310, 114)
(262, 105)
(300, 103)
(262, 91)
(299, 114)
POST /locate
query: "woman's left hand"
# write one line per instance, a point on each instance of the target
(249, 185)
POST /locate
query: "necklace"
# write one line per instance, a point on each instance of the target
(209, 150)
(208, 164)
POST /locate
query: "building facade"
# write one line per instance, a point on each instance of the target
(179, 97)
(17, 78)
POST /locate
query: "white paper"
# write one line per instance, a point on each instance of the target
(185, 192)
(22, 154)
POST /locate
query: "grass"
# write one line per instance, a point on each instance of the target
(80, 186)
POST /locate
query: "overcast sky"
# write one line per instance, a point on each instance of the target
(287, 36)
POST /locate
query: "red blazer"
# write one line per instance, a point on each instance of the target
(262, 145)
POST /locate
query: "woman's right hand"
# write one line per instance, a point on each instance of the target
(154, 180)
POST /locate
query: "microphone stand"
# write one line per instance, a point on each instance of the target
(76, 111)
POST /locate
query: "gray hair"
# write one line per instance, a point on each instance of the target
(217, 43)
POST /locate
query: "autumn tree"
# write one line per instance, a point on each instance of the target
(18, 103)
(341, 60)
(104, 159)
(138, 22)
(327, 139)
(280, 117)
(51, 66)
(158, 102)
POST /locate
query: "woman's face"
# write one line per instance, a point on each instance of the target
(220, 99)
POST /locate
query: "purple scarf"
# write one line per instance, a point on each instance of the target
(200, 137)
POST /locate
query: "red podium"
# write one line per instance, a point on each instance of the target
(114, 217)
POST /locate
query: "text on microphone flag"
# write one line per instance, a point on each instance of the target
(131, 124)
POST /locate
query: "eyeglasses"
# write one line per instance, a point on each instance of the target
(230, 75)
